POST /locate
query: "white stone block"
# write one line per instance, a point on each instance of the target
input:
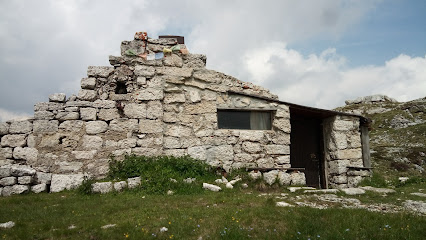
(26, 153)
(62, 182)
(96, 127)
(133, 182)
(57, 97)
(17, 127)
(102, 187)
(211, 187)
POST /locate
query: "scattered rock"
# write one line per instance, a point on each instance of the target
(189, 180)
(353, 191)
(322, 191)
(419, 194)
(244, 185)
(255, 175)
(72, 226)
(403, 179)
(120, 186)
(229, 185)
(211, 187)
(9, 224)
(108, 226)
(283, 204)
(133, 182)
(294, 189)
(378, 190)
(102, 187)
(415, 206)
(170, 192)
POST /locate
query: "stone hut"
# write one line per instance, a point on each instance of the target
(159, 99)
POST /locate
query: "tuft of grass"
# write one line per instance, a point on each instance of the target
(163, 173)
(86, 186)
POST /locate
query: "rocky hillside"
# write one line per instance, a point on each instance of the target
(397, 135)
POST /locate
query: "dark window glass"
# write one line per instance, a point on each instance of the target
(234, 119)
(121, 88)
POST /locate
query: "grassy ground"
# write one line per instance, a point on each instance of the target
(232, 214)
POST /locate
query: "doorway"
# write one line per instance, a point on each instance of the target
(306, 148)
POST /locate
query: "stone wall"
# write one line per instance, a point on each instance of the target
(163, 105)
(343, 152)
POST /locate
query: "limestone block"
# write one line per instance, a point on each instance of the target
(254, 136)
(96, 127)
(171, 142)
(353, 191)
(220, 153)
(71, 125)
(173, 61)
(24, 180)
(282, 112)
(284, 178)
(340, 140)
(62, 182)
(201, 107)
(282, 159)
(88, 83)
(104, 104)
(194, 96)
(45, 126)
(243, 157)
(13, 140)
(155, 82)
(154, 110)
(133, 182)
(26, 153)
(14, 190)
(98, 168)
(43, 115)
(347, 154)
(108, 114)
(174, 98)
(91, 142)
(211, 187)
(251, 147)
(170, 117)
(338, 167)
(4, 128)
(339, 179)
(48, 106)
(42, 187)
(5, 172)
(99, 71)
(57, 97)
(20, 127)
(134, 110)
(343, 125)
(63, 116)
(120, 186)
(198, 152)
(282, 124)
(42, 177)
(355, 141)
(150, 126)
(270, 177)
(31, 141)
(102, 187)
(298, 178)
(178, 131)
(150, 94)
(207, 75)
(5, 153)
(174, 152)
(87, 95)
(353, 181)
(194, 60)
(266, 162)
(277, 149)
(8, 181)
(141, 81)
(127, 143)
(255, 175)
(144, 71)
(361, 173)
(88, 113)
(124, 125)
(78, 103)
(175, 71)
(84, 154)
(22, 170)
(147, 151)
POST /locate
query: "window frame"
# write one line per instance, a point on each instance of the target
(271, 112)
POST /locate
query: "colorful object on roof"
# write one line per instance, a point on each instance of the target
(141, 36)
(167, 50)
(159, 55)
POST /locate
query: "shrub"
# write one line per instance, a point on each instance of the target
(86, 186)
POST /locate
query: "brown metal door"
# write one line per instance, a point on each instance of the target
(305, 148)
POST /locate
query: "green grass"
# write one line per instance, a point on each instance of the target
(224, 215)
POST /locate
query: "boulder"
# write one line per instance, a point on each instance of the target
(62, 182)
(133, 182)
(18, 140)
(211, 187)
(42, 187)
(26, 153)
(17, 127)
(96, 127)
(57, 97)
(353, 191)
(270, 177)
(8, 181)
(102, 187)
(120, 186)
(15, 189)
(22, 170)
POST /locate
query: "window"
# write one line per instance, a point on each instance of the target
(238, 119)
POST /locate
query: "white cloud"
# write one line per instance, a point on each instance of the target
(325, 81)
(6, 115)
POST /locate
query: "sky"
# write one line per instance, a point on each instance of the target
(315, 53)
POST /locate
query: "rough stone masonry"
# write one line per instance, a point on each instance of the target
(157, 106)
